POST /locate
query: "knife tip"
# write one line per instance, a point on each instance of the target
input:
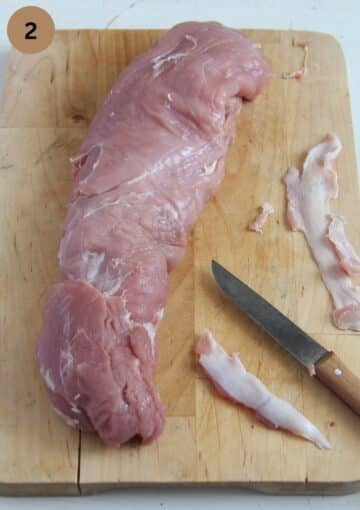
(214, 265)
(218, 271)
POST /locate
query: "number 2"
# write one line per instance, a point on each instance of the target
(33, 27)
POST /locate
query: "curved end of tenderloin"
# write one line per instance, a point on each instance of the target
(254, 70)
(348, 317)
(260, 79)
(94, 378)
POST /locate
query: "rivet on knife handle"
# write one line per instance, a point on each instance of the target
(331, 371)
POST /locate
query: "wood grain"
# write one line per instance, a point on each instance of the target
(38, 452)
(50, 99)
(336, 375)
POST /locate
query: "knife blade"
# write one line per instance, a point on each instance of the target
(325, 364)
(285, 332)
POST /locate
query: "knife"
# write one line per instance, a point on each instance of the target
(324, 364)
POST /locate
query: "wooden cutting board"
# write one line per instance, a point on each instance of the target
(50, 98)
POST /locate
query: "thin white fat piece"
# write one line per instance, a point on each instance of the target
(67, 359)
(151, 332)
(77, 396)
(348, 258)
(127, 319)
(82, 331)
(92, 261)
(309, 193)
(159, 315)
(311, 369)
(234, 382)
(162, 165)
(66, 363)
(302, 71)
(79, 157)
(210, 168)
(192, 39)
(111, 283)
(72, 422)
(96, 164)
(106, 203)
(116, 286)
(48, 379)
(115, 262)
(186, 151)
(67, 324)
(66, 239)
(147, 173)
(258, 223)
(169, 208)
(74, 409)
(111, 202)
(160, 60)
(251, 65)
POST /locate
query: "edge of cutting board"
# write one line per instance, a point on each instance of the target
(39, 489)
(283, 488)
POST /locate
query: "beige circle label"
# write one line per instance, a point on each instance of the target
(30, 29)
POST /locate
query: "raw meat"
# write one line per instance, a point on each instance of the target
(309, 193)
(233, 382)
(258, 223)
(299, 73)
(348, 258)
(153, 156)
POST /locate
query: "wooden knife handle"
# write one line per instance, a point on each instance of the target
(331, 371)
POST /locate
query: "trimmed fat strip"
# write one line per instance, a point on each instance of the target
(299, 73)
(233, 382)
(348, 258)
(308, 209)
(258, 223)
(153, 156)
